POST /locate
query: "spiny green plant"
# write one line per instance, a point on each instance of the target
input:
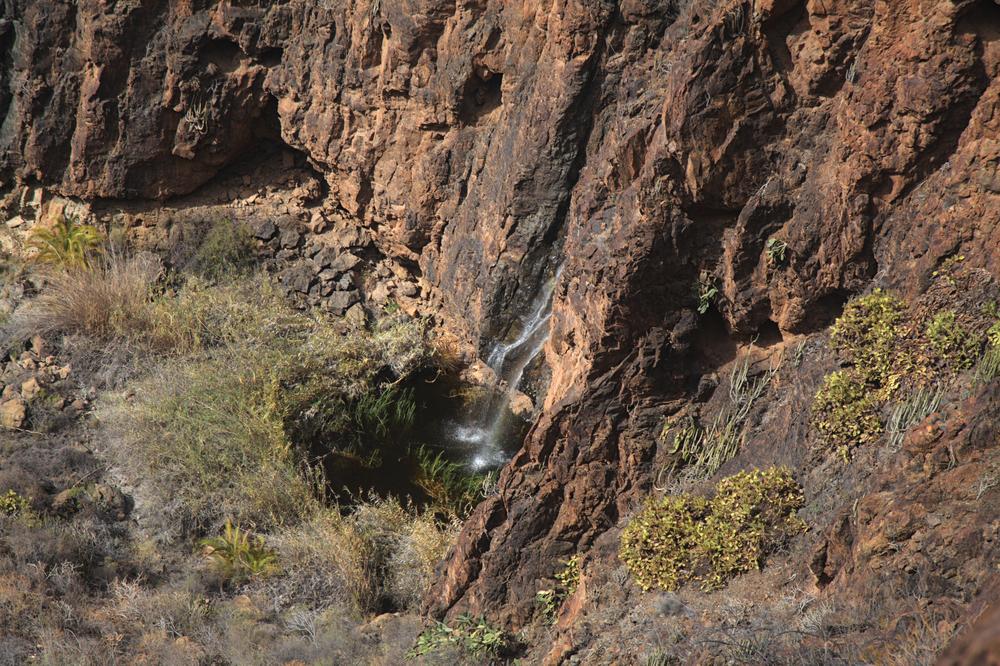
(705, 451)
(238, 558)
(68, 244)
(909, 412)
(712, 540)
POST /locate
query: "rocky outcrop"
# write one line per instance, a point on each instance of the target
(653, 149)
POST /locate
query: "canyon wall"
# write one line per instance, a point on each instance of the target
(639, 144)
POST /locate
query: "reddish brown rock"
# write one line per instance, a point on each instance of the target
(479, 145)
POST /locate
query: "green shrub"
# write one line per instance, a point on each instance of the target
(681, 537)
(660, 546)
(845, 411)
(227, 248)
(867, 334)
(951, 342)
(472, 634)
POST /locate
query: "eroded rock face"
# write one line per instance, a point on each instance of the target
(484, 143)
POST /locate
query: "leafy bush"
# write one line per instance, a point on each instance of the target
(712, 540)
(951, 342)
(472, 634)
(13, 504)
(846, 411)
(867, 335)
(891, 352)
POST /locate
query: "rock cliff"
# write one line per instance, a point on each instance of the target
(646, 146)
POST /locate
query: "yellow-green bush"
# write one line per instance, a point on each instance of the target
(846, 411)
(712, 540)
(951, 342)
(893, 351)
(867, 334)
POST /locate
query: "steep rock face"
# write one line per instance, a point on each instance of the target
(850, 131)
(486, 142)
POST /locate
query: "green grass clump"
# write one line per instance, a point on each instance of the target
(447, 482)
(236, 426)
(712, 540)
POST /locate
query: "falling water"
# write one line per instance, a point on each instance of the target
(484, 435)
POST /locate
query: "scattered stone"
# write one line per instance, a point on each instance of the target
(356, 314)
(265, 230)
(291, 238)
(40, 346)
(317, 224)
(380, 294)
(341, 301)
(325, 257)
(345, 262)
(408, 289)
(15, 221)
(247, 179)
(286, 255)
(112, 502)
(346, 282)
(76, 408)
(67, 502)
(300, 278)
(14, 413)
(30, 389)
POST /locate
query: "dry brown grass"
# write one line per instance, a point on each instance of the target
(380, 556)
(110, 302)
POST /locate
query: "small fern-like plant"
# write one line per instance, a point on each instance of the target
(67, 245)
(237, 557)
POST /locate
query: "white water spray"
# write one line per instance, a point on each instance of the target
(509, 362)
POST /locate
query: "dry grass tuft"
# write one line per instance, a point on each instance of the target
(110, 302)
(380, 556)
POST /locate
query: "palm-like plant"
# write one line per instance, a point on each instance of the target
(239, 558)
(68, 244)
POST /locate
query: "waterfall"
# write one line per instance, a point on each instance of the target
(485, 434)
